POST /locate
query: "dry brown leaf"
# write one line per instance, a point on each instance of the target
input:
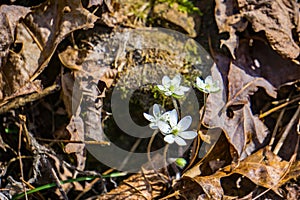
(266, 169)
(215, 157)
(76, 130)
(228, 21)
(241, 86)
(9, 17)
(67, 83)
(263, 168)
(38, 36)
(243, 130)
(70, 58)
(277, 19)
(81, 94)
(201, 187)
(253, 56)
(140, 186)
(64, 174)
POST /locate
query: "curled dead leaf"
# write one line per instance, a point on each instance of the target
(228, 21)
(234, 116)
(263, 168)
(37, 36)
(277, 19)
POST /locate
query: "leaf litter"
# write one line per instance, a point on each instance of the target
(255, 113)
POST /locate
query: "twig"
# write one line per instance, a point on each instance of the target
(21, 101)
(287, 130)
(277, 124)
(263, 115)
(74, 141)
(133, 148)
(58, 184)
(87, 188)
(23, 119)
(31, 187)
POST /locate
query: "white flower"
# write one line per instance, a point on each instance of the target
(207, 86)
(172, 87)
(174, 131)
(158, 115)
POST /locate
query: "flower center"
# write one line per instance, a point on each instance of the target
(172, 88)
(175, 131)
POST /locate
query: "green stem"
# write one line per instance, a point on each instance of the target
(51, 185)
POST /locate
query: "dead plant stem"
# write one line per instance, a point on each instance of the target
(287, 130)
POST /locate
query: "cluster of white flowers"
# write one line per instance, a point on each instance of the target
(172, 87)
(167, 122)
(169, 126)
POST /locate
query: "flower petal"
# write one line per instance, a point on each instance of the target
(165, 117)
(168, 93)
(200, 83)
(153, 126)
(180, 141)
(156, 111)
(166, 81)
(149, 117)
(176, 81)
(209, 80)
(173, 118)
(215, 87)
(164, 127)
(178, 93)
(181, 90)
(161, 88)
(169, 139)
(188, 135)
(184, 123)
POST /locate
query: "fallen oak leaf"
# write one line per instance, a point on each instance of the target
(9, 17)
(277, 19)
(241, 85)
(263, 168)
(234, 116)
(266, 169)
(38, 35)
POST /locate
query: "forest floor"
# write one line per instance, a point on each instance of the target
(81, 80)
